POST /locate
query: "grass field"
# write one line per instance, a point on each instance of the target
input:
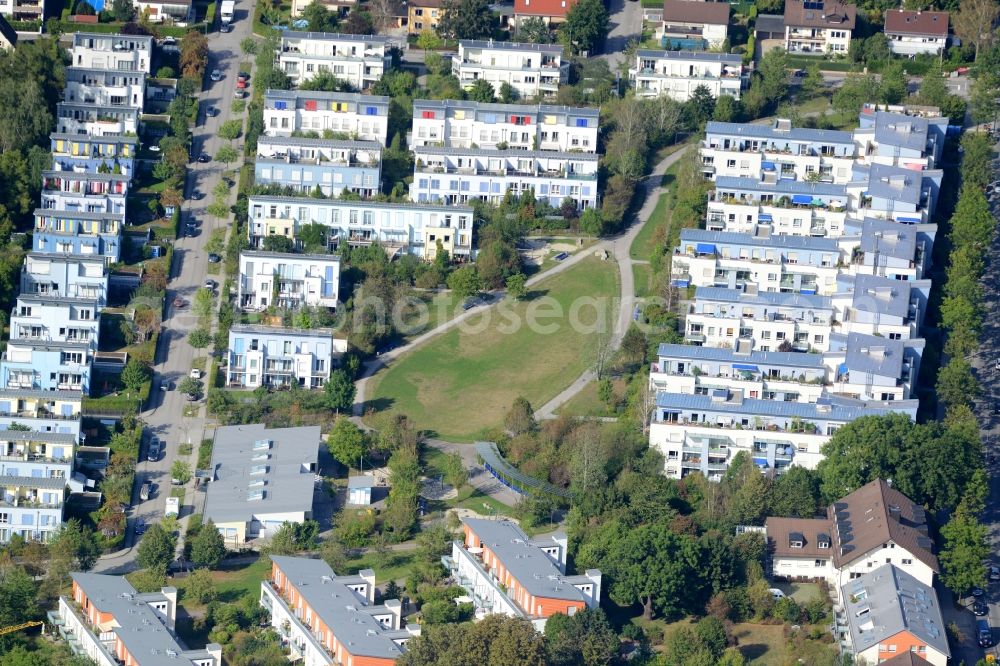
(463, 381)
(642, 245)
(641, 275)
(439, 308)
(587, 403)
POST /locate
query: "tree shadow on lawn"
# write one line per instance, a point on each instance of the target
(378, 404)
(534, 294)
(752, 651)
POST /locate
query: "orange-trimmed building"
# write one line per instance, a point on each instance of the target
(326, 619)
(109, 622)
(505, 571)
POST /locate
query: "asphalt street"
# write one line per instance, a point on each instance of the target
(164, 416)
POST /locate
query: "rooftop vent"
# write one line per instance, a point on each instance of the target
(262, 445)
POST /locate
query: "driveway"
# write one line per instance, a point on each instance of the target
(626, 25)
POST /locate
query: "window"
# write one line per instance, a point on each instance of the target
(907, 561)
(819, 563)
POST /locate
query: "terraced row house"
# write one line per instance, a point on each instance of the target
(45, 370)
(809, 284)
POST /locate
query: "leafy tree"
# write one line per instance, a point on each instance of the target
(32, 74)
(339, 391)
(508, 93)
(278, 243)
(585, 27)
(135, 373)
(319, 17)
(465, 282)
(156, 549)
(466, 19)
(455, 474)
(194, 55)
(813, 84)
(359, 23)
(347, 444)
(521, 417)
(974, 22)
(208, 547)
(122, 10)
(795, 494)
(17, 596)
(955, 383)
(534, 30)
(865, 449)
(190, 386)
(497, 640)
(332, 552)
(249, 45)
(516, 287)
(200, 338)
(148, 580)
(712, 635)
(231, 130)
(584, 639)
(200, 586)
(428, 40)
(481, 91)
(326, 81)
(181, 471)
(656, 568)
(227, 154)
(963, 552)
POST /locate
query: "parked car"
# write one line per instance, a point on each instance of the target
(993, 573)
(211, 112)
(214, 258)
(225, 27)
(204, 157)
(239, 93)
(984, 633)
(140, 526)
(216, 75)
(153, 454)
(168, 41)
(776, 593)
(195, 373)
(179, 302)
(210, 284)
(980, 608)
(241, 83)
(166, 385)
(978, 593)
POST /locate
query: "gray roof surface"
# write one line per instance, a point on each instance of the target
(870, 353)
(728, 58)
(46, 299)
(79, 214)
(67, 257)
(896, 183)
(333, 36)
(839, 410)
(889, 238)
(87, 176)
(470, 105)
(40, 482)
(782, 185)
(513, 152)
(290, 256)
(325, 333)
(896, 602)
(141, 629)
(509, 46)
(361, 481)
(322, 94)
(783, 242)
(324, 143)
(775, 298)
(770, 23)
(899, 129)
(873, 293)
(338, 606)
(361, 204)
(288, 488)
(769, 132)
(37, 436)
(526, 562)
(104, 138)
(721, 354)
(29, 394)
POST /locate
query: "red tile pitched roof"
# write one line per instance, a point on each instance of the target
(832, 15)
(916, 23)
(542, 7)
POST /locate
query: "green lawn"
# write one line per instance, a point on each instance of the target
(641, 275)
(234, 583)
(429, 310)
(587, 403)
(462, 382)
(642, 245)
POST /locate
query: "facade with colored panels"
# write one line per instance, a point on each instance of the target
(96, 154)
(464, 124)
(89, 192)
(507, 572)
(533, 70)
(107, 621)
(326, 619)
(288, 280)
(678, 74)
(46, 366)
(109, 87)
(95, 119)
(41, 411)
(30, 507)
(113, 52)
(67, 232)
(342, 116)
(275, 356)
(413, 228)
(65, 276)
(360, 60)
(307, 164)
(452, 175)
(55, 319)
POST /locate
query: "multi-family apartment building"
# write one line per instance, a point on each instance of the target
(343, 116)
(533, 70)
(677, 74)
(108, 622)
(65, 276)
(877, 305)
(325, 619)
(702, 433)
(359, 60)
(20, 10)
(94, 154)
(46, 365)
(693, 25)
(52, 318)
(80, 233)
(107, 87)
(818, 27)
(414, 228)
(162, 10)
(287, 280)
(467, 124)
(507, 572)
(783, 206)
(912, 32)
(895, 137)
(453, 175)
(888, 612)
(108, 51)
(261, 479)
(96, 119)
(329, 165)
(41, 411)
(275, 356)
(423, 15)
(87, 191)
(31, 507)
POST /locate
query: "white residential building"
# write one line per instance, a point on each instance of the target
(96, 119)
(108, 622)
(894, 137)
(329, 114)
(51, 318)
(275, 356)
(453, 175)
(261, 479)
(876, 305)
(105, 87)
(413, 228)
(533, 70)
(115, 52)
(691, 24)
(360, 60)
(175, 11)
(41, 411)
(65, 276)
(287, 280)
(307, 164)
(84, 191)
(678, 74)
(815, 28)
(19, 10)
(911, 32)
(467, 124)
